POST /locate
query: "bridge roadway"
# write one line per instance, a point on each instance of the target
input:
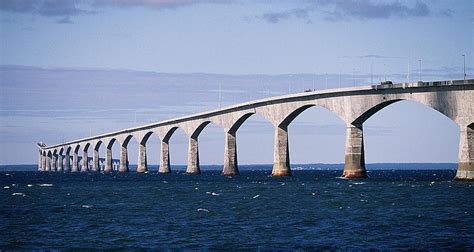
(454, 99)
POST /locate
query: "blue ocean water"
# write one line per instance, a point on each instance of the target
(313, 209)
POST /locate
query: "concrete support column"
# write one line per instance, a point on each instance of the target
(67, 163)
(466, 154)
(354, 161)
(40, 161)
(75, 162)
(54, 162)
(85, 162)
(48, 163)
(123, 159)
(95, 161)
(193, 157)
(108, 160)
(230, 155)
(142, 161)
(281, 153)
(44, 162)
(60, 163)
(165, 157)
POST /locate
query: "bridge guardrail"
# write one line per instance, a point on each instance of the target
(422, 84)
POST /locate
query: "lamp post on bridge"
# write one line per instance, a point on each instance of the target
(464, 59)
(419, 72)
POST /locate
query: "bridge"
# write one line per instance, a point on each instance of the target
(453, 98)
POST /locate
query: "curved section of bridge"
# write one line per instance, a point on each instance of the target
(454, 99)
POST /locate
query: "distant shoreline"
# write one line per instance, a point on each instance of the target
(316, 166)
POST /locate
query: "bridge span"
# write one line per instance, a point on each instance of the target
(454, 99)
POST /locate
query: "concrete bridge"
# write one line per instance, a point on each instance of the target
(454, 99)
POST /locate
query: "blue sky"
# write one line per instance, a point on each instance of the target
(72, 68)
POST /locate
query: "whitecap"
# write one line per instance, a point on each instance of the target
(256, 196)
(282, 183)
(208, 192)
(202, 210)
(6, 187)
(195, 188)
(29, 185)
(18, 194)
(358, 183)
(46, 185)
(87, 206)
(215, 194)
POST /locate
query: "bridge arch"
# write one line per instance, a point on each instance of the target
(384, 103)
(77, 148)
(383, 134)
(211, 135)
(124, 151)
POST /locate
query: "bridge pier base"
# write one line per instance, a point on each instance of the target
(75, 162)
(85, 162)
(95, 161)
(123, 159)
(165, 158)
(142, 160)
(60, 163)
(281, 153)
(354, 161)
(193, 156)
(67, 162)
(230, 155)
(108, 160)
(466, 154)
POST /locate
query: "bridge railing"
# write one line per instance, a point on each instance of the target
(422, 84)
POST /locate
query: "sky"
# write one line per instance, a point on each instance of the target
(71, 69)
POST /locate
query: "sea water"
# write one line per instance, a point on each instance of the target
(313, 209)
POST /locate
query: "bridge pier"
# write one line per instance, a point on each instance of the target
(165, 157)
(40, 161)
(48, 163)
(67, 163)
(54, 162)
(354, 161)
(193, 156)
(60, 163)
(95, 161)
(75, 162)
(466, 154)
(85, 162)
(142, 160)
(123, 159)
(230, 155)
(43, 162)
(281, 154)
(108, 160)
